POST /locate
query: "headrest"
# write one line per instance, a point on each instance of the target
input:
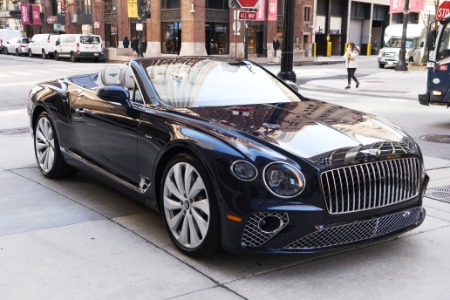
(127, 77)
(110, 74)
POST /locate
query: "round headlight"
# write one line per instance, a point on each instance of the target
(244, 170)
(284, 180)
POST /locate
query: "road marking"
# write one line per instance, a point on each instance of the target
(13, 112)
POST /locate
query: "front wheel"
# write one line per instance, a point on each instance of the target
(44, 55)
(17, 52)
(30, 54)
(189, 207)
(46, 147)
(381, 66)
(73, 58)
(56, 56)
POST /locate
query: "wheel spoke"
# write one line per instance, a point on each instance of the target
(196, 188)
(174, 221)
(202, 205)
(193, 232)
(178, 177)
(171, 186)
(202, 224)
(183, 238)
(170, 204)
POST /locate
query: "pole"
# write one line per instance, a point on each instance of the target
(401, 66)
(245, 40)
(266, 26)
(287, 55)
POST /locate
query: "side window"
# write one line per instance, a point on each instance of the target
(444, 45)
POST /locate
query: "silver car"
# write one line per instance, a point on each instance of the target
(18, 46)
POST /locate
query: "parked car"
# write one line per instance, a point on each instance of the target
(5, 36)
(79, 46)
(231, 155)
(18, 46)
(42, 44)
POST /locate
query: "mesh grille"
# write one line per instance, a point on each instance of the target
(358, 231)
(253, 236)
(371, 185)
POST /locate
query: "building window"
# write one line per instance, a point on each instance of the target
(170, 37)
(167, 4)
(307, 14)
(110, 6)
(84, 7)
(216, 41)
(56, 7)
(217, 4)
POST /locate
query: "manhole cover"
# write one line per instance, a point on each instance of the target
(440, 193)
(436, 138)
(14, 131)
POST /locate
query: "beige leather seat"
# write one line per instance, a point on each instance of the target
(126, 77)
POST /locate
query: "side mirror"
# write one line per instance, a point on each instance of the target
(57, 42)
(431, 39)
(116, 94)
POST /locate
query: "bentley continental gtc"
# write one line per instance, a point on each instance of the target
(231, 156)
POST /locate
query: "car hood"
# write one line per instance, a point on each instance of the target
(310, 128)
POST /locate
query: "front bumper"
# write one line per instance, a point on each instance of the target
(90, 55)
(293, 237)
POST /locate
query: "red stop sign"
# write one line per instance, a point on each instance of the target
(443, 10)
(249, 3)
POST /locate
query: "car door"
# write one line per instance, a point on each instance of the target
(107, 134)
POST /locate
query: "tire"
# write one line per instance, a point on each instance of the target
(56, 56)
(44, 55)
(30, 54)
(17, 52)
(46, 148)
(381, 66)
(191, 215)
(73, 58)
(6, 51)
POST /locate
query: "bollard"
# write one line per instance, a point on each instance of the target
(329, 48)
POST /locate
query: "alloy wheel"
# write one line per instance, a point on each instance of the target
(45, 144)
(186, 205)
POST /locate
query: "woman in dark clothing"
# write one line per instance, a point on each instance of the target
(126, 42)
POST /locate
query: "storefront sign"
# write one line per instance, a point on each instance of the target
(52, 19)
(247, 15)
(273, 11)
(132, 8)
(36, 13)
(24, 13)
(397, 6)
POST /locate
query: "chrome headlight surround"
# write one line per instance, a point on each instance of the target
(284, 180)
(243, 170)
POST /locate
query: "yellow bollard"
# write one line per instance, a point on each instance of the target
(368, 49)
(314, 49)
(329, 48)
(345, 47)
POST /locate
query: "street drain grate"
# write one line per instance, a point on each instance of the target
(440, 193)
(436, 138)
(14, 131)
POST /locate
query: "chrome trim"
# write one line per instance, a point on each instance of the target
(371, 185)
(281, 196)
(142, 190)
(238, 161)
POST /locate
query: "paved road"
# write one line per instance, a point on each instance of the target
(78, 239)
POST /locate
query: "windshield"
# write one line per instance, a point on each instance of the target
(199, 82)
(397, 42)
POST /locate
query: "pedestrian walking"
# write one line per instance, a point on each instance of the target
(134, 45)
(351, 62)
(126, 42)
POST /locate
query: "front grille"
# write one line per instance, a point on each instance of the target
(358, 231)
(253, 236)
(371, 185)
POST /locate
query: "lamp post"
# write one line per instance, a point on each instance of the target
(287, 56)
(401, 66)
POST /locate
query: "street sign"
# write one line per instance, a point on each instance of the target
(248, 3)
(443, 10)
(247, 15)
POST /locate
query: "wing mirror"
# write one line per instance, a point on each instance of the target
(115, 93)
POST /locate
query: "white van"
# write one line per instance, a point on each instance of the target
(42, 44)
(6, 35)
(414, 44)
(79, 46)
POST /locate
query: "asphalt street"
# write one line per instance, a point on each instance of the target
(79, 239)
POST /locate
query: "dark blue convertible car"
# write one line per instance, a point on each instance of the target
(231, 156)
